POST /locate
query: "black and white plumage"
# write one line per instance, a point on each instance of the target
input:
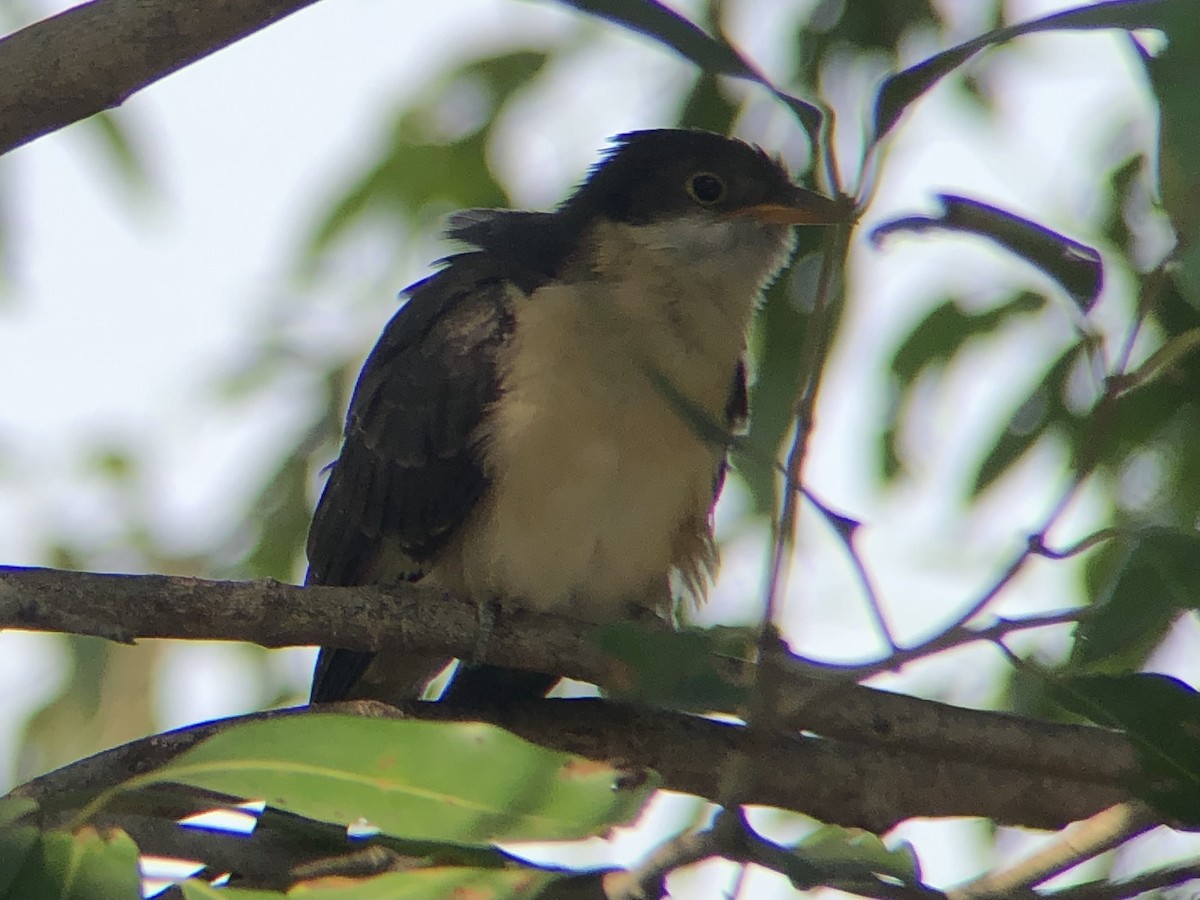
(537, 422)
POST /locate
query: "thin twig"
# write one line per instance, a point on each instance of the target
(949, 639)
(846, 528)
(812, 353)
(1138, 886)
(1083, 544)
(1074, 844)
(646, 880)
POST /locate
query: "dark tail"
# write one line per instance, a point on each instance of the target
(485, 685)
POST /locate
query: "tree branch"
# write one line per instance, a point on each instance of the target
(802, 701)
(94, 56)
(841, 783)
(426, 621)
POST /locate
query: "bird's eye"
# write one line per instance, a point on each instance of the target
(706, 188)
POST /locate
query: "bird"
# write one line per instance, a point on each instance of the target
(547, 417)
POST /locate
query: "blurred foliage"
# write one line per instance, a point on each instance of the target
(1159, 714)
(84, 865)
(934, 344)
(676, 671)
(836, 26)
(854, 855)
(712, 53)
(433, 156)
(899, 90)
(1125, 411)
(1154, 577)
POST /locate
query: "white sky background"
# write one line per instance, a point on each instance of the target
(121, 312)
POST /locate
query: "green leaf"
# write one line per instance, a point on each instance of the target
(1172, 76)
(14, 808)
(194, 889)
(778, 331)
(707, 106)
(678, 670)
(1158, 578)
(17, 842)
(1073, 265)
(55, 864)
(882, 26)
(120, 146)
(1161, 715)
(420, 167)
(17, 845)
(1128, 183)
(935, 341)
(901, 89)
(946, 329)
(690, 41)
(464, 783)
(281, 515)
(1043, 411)
(843, 854)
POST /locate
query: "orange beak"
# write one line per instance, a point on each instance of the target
(799, 207)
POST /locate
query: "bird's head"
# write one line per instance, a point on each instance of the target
(692, 199)
(697, 193)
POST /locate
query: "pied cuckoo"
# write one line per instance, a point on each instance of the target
(533, 424)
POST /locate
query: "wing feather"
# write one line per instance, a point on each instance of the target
(411, 468)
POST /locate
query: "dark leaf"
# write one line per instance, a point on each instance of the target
(882, 26)
(691, 42)
(890, 464)
(1144, 416)
(1161, 715)
(708, 107)
(1126, 180)
(1075, 266)
(670, 28)
(18, 844)
(1174, 353)
(1157, 578)
(901, 89)
(1172, 75)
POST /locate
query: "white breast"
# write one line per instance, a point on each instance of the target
(601, 484)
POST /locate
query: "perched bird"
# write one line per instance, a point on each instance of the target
(546, 419)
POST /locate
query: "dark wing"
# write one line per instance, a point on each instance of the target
(410, 468)
(737, 415)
